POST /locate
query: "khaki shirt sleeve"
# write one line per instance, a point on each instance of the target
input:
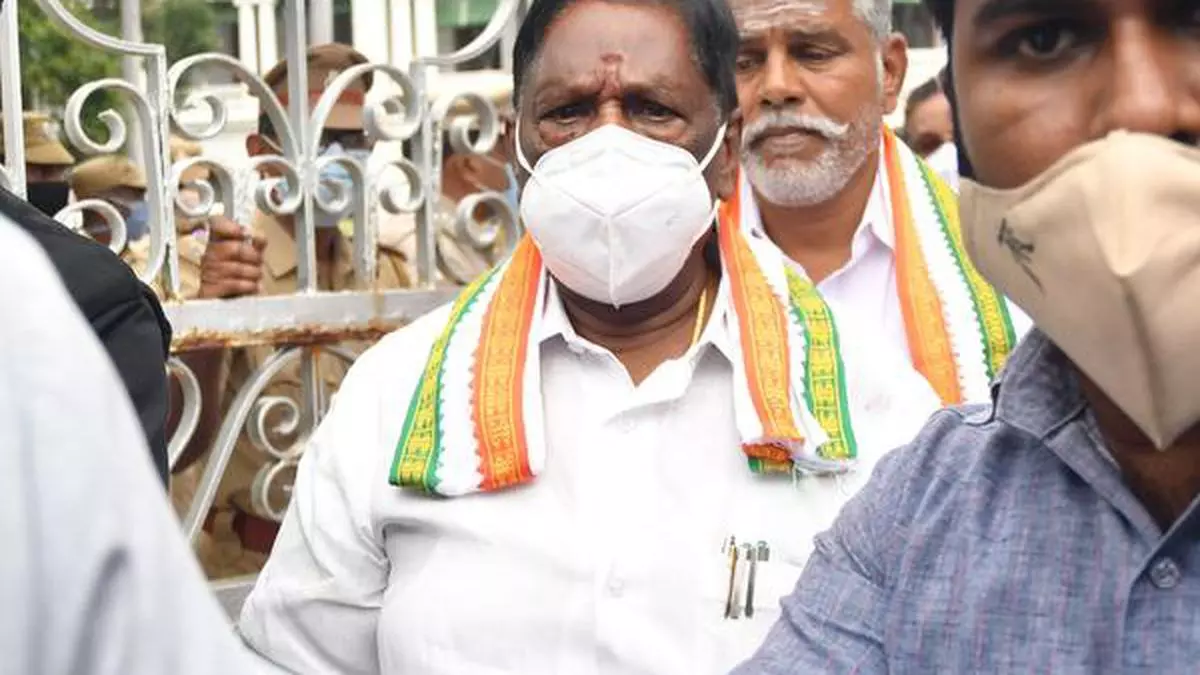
(136, 255)
(191, 252)
(392, 270)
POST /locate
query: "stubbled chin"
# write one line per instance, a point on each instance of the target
(795, 183)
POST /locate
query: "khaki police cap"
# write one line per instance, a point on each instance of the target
(97, 176)
(183, 149)
(326, 62)
(42, 147)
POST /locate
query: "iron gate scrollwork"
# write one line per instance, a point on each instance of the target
(300, 325)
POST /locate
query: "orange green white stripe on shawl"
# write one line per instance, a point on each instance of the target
(475, 420)
(821, 368)
(958, 327)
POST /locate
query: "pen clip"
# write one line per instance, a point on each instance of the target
(731, 602)
(752, 561)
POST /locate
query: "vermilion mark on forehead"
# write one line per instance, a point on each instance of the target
(609, 74)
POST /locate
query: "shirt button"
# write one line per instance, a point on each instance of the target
(1165, 574)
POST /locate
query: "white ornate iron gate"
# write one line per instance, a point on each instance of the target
(296, 325)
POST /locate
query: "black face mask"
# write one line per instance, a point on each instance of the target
(49, 197)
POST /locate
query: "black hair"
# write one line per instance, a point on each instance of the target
(943, 15)
(711, 28)
(266, 127)
(928, 89)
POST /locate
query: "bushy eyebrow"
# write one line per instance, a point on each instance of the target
(994, 11)
(558, 90)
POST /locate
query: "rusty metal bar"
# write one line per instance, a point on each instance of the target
(297, 319)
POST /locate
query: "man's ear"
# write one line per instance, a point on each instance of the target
(504, 147)
(724, 169)
(894, 55)
(509, 148)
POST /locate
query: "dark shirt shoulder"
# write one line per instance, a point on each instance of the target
(123, 312)
(959, 450)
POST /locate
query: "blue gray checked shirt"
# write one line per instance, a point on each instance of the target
(1003, 540)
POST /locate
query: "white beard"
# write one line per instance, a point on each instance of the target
(798, 183)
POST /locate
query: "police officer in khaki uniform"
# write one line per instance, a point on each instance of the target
(116, 180)
(47, 161)
(238, 535)
(463, 174)
(192, 233)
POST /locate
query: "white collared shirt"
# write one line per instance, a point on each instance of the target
(862, 294)
(609, 562)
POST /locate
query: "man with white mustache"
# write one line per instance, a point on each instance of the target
(853, 209)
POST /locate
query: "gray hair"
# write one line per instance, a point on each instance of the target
(877, 14)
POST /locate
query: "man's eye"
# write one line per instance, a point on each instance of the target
(651, 109)
(812, 54)
(1045, 42)
(567, 112)
(746, 62)
(925, 144)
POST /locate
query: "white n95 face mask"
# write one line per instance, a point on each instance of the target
(616, 214)
(1103, 251)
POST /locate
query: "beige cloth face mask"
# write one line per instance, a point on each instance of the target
(1103, 252)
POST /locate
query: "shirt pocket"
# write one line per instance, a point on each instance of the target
(736, 625)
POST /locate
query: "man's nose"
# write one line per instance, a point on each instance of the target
(612, 112)
(1152, 87)
(782, 83)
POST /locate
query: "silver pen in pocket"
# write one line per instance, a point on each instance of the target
(757, 555)
(731, 606)
(752, 560)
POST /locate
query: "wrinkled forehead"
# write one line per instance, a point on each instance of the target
(598, 47)
(755, 17)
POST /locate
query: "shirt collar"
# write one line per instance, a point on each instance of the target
(876, 222)
(1038, 390)
(1039, 393)
(877, 218)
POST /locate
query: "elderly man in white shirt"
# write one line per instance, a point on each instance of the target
(611, 453)
(849, 204)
